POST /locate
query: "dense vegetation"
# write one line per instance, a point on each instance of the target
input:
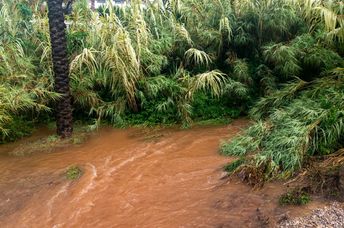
(280, 61)
(303, 115)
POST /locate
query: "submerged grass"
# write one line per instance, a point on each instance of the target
(50, 143)
(295, 197)
(73, 173)
(213, 122)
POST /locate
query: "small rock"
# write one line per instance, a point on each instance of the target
(282, 218)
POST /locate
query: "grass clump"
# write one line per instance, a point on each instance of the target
(50, 143)
(213, 122)
(52, 138)
(232, 166)
(293, 126)
(73, 173)
(295, 197)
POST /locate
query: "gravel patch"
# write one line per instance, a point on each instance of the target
(327, 217)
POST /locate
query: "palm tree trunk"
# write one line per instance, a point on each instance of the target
(64, 117)
(93, 6)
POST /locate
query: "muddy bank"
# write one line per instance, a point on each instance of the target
(137, 177)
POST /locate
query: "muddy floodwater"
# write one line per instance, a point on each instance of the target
(136, 178)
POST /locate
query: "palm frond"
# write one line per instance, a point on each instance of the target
(197, 57)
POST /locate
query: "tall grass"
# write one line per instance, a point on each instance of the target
(302, 120)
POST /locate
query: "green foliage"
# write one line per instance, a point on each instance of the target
(25, 11)
(16, 129)
(284, 58)
(73, 173)
(295, 198)
(213, 121)
(206, 107)
(294, 123)
(53, 138)
(241, 72)
(231, 167)
(249, 142)
(197, 57)
(76, 40)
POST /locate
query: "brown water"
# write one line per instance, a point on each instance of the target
(134, 178)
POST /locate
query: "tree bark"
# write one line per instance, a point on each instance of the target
(93, 6)
(63, 109)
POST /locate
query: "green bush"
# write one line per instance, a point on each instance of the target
(17, 128)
